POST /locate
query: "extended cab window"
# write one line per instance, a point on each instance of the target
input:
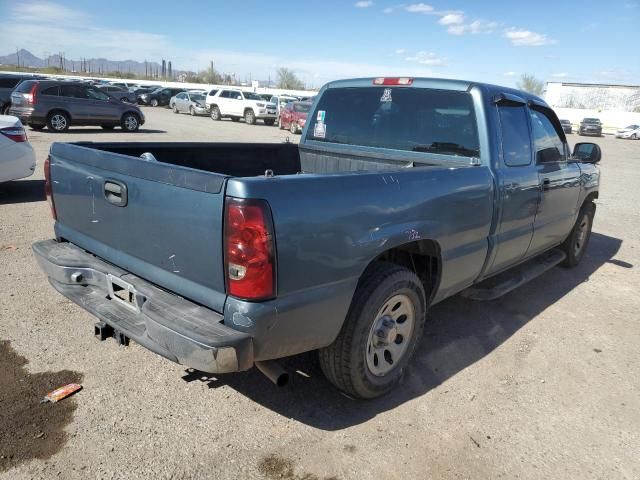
(409, 119)
(514, 129)
(548, 145)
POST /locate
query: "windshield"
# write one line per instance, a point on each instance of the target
(252, 96)
(301, 107)
(413, 119)
(196, 96)
(632, 127)
(591, 120)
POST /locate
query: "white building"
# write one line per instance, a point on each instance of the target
(616, 105)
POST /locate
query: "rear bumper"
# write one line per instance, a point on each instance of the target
(26, 115)
(166, 324)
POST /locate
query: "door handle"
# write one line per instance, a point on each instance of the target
(115, 193)
(546, 184)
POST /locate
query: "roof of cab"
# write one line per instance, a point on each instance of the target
(443, 84)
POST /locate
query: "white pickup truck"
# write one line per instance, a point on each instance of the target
(237, 104)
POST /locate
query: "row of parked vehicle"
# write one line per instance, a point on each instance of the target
(593, 126)
(57, 104)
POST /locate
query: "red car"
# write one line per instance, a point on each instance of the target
(294, 115)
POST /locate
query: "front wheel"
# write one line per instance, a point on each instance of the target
(249, 117)
(380, 334)
(175, 108)
(293, 128)
(576, 243)
(634, 136)
(192, 112)
(153, 102)
(130, 122)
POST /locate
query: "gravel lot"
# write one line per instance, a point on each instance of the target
(543, 383)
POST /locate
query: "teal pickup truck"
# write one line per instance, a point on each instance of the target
(401, 193)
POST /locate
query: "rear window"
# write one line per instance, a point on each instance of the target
(409, 119)
(302, 107)
(25, 87)
(9, 82)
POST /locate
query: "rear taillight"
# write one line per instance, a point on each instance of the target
(47, 187)
(249, 262)
(31, 96)
(393, 81)
(17, 134)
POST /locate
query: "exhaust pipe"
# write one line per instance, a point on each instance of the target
(274, 372)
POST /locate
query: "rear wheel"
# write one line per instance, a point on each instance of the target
(130, 122)
(4, 109)
(175, 108)
(153, 102)
(379, 335)
(249, 117)
(58, 122)
(280, 126)
(576, 243)
(215, 113)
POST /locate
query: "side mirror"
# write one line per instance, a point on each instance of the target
(239, 97)
(587, 152)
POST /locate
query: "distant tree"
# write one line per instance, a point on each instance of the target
(531, 84)
(287, 79)
(210, 75)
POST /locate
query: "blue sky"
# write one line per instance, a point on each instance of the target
(324, 40)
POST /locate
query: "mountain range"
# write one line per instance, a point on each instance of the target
(25, 58)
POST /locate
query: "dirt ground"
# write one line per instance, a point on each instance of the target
(541, 384)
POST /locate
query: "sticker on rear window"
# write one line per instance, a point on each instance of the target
(320, 116)
(386, 96)
(320, 130)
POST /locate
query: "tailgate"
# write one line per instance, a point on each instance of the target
(159, 221)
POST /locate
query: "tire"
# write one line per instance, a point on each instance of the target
(154, 102)
(175, 108)
(58, 122)
(192, 112)
(215, 113)
(269, 122)
(130, 122)
(634, 136)
(576, 243)
(36, 126)
(249, 117)
(353, 363)
(4, 109)
(280, 126)
(108, 127)
(293, 128)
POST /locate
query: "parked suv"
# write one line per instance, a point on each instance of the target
(158, 97)
(121, 93)
(237, 104)
(58, 105)
(7, 84)
(590, 126)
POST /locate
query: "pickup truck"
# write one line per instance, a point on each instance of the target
(401, 193)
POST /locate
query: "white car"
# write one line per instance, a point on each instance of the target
(281, 101)
(17, 157)
(236, 104)
(632, 132)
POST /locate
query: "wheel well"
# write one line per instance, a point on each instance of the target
(130, 112)
(421, 257)
(248, 109)
(590, 198)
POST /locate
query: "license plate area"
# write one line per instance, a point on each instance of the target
(123, 293)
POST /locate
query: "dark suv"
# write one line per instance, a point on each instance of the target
(7, 83)
(590, 126)
(161, 96)
(58, 105)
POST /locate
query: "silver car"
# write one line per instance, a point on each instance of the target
(189, 102)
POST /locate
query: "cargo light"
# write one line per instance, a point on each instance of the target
(393, 81)
(250, 264)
